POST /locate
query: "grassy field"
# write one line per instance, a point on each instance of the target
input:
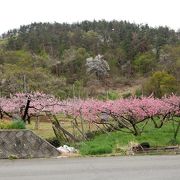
(117, 141)
(45, 129)
(112, 142)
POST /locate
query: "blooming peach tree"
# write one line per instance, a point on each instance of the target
(121, 114)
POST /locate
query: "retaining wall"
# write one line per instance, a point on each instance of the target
(24, 144)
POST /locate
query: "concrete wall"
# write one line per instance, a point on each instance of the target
(24, 144)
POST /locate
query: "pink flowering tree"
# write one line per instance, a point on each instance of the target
(126, 113)
(174, 104)
(129, 115)
(28, 105)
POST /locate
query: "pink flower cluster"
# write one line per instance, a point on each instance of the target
(92, 109)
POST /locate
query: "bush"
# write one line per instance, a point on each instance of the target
(110, 95)
(17, 124)
(53, 141)
(126, 95)
(138, 93)
(3, 124)
(161, 83)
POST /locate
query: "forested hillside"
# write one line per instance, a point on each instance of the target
(90, 59)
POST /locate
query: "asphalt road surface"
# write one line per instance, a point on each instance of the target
(94, 168)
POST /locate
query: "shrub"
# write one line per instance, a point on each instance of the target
(138, 93)
(53, 141)
(161, 83)
(3, 124)
(111, 95)
(127, 95)
(17, 124)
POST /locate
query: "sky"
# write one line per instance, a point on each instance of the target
(14, 13)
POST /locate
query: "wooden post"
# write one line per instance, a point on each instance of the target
(36, 127)
(72, 124)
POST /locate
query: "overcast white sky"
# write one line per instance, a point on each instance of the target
(14, 13)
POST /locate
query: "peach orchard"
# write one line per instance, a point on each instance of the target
(129, 115)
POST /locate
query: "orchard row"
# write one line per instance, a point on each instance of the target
(121, 113)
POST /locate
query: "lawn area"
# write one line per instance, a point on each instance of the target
(45, 129)
(112, 142)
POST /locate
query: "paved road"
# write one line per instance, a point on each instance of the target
(109, 168)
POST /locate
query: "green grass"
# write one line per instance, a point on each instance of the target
(114, 141)
(45, 129)
(107, 143)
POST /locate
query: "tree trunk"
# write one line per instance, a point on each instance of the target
(26, 110)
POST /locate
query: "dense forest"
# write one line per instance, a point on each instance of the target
(90, 59)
